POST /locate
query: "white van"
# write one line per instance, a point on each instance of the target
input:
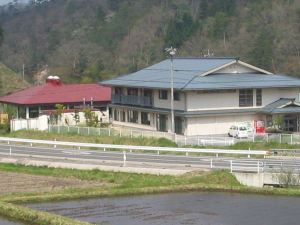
(238, 131)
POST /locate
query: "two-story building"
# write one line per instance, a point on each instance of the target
(210, 95)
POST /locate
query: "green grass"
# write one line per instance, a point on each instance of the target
(34, 217)
(163, 142)
(122, 184)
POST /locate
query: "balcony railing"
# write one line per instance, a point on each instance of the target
(132, 100)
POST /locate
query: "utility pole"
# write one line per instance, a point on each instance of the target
(23, 71)
(172, 52)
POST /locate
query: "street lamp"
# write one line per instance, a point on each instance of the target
(172, 52)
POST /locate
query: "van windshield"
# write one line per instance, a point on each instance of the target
(242, 128)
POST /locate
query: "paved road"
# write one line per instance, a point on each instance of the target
(99, 156)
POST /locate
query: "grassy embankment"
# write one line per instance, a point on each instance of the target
(142, 141)
(121, 184)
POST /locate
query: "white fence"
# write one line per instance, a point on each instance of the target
(135, 133)
(293, 138)
(181, 140)
(40, 123)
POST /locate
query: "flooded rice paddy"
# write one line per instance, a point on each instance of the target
(195, 208)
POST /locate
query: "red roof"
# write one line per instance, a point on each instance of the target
(53, 93)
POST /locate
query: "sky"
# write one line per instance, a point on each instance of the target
(3, 2)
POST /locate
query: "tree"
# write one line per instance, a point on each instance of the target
(1, 35)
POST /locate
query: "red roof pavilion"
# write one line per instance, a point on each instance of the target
(55, 92)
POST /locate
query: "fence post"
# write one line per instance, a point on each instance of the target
(10, 150)
(267, 137)
(58, 129)
(104, 149)
(184, 140)
(249, 155)
(258, 167)
(157, 152)
(253, 137)
(198, 141)
(124, 158)
(186, 154)
(78, 130)
(217, 155)
(280, 138)
(88, 130)
(130, 133)
(231, 169)
(211, 163)
(55, 144)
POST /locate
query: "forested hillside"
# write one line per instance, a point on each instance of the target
(85, 41)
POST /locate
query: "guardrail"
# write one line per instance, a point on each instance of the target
(138, 148)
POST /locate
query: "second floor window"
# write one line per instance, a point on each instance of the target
(246, 98)
(118, 91)
(176, 95)
(258, 97)
(132, 91)
(163, 94)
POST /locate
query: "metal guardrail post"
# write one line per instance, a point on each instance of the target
(258, 170)
(231, 167)
(249, 155)
(10, 150)
(124, 158)
(211, 163)
(55, 144)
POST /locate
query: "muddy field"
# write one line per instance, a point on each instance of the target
(18, 182)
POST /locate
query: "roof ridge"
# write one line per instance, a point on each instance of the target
(210, 57)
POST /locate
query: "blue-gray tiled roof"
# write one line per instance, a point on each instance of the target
(187, 73)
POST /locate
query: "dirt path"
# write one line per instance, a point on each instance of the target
(19, 182)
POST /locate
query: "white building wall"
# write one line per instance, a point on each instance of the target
(271, 95)
(166, 103)
(214, 101)
(204, 101)
(218, 124)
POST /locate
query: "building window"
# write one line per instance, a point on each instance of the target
(246, 98)
(145, 118)
(258, 97)
(122, 116)
(178, 125)
(118, 91)
(116, 115)
(163, 94)
(133, 91)
(176, 95)
(33, 112)
(162, 123)
(132, 116)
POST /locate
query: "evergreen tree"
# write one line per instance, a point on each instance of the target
(1, 36)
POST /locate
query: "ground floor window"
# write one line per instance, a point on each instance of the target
(145, 118)
(162, 122)
(33, 112)
(132, 116)
(116, 115)
(123, 117)
(178, 125)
